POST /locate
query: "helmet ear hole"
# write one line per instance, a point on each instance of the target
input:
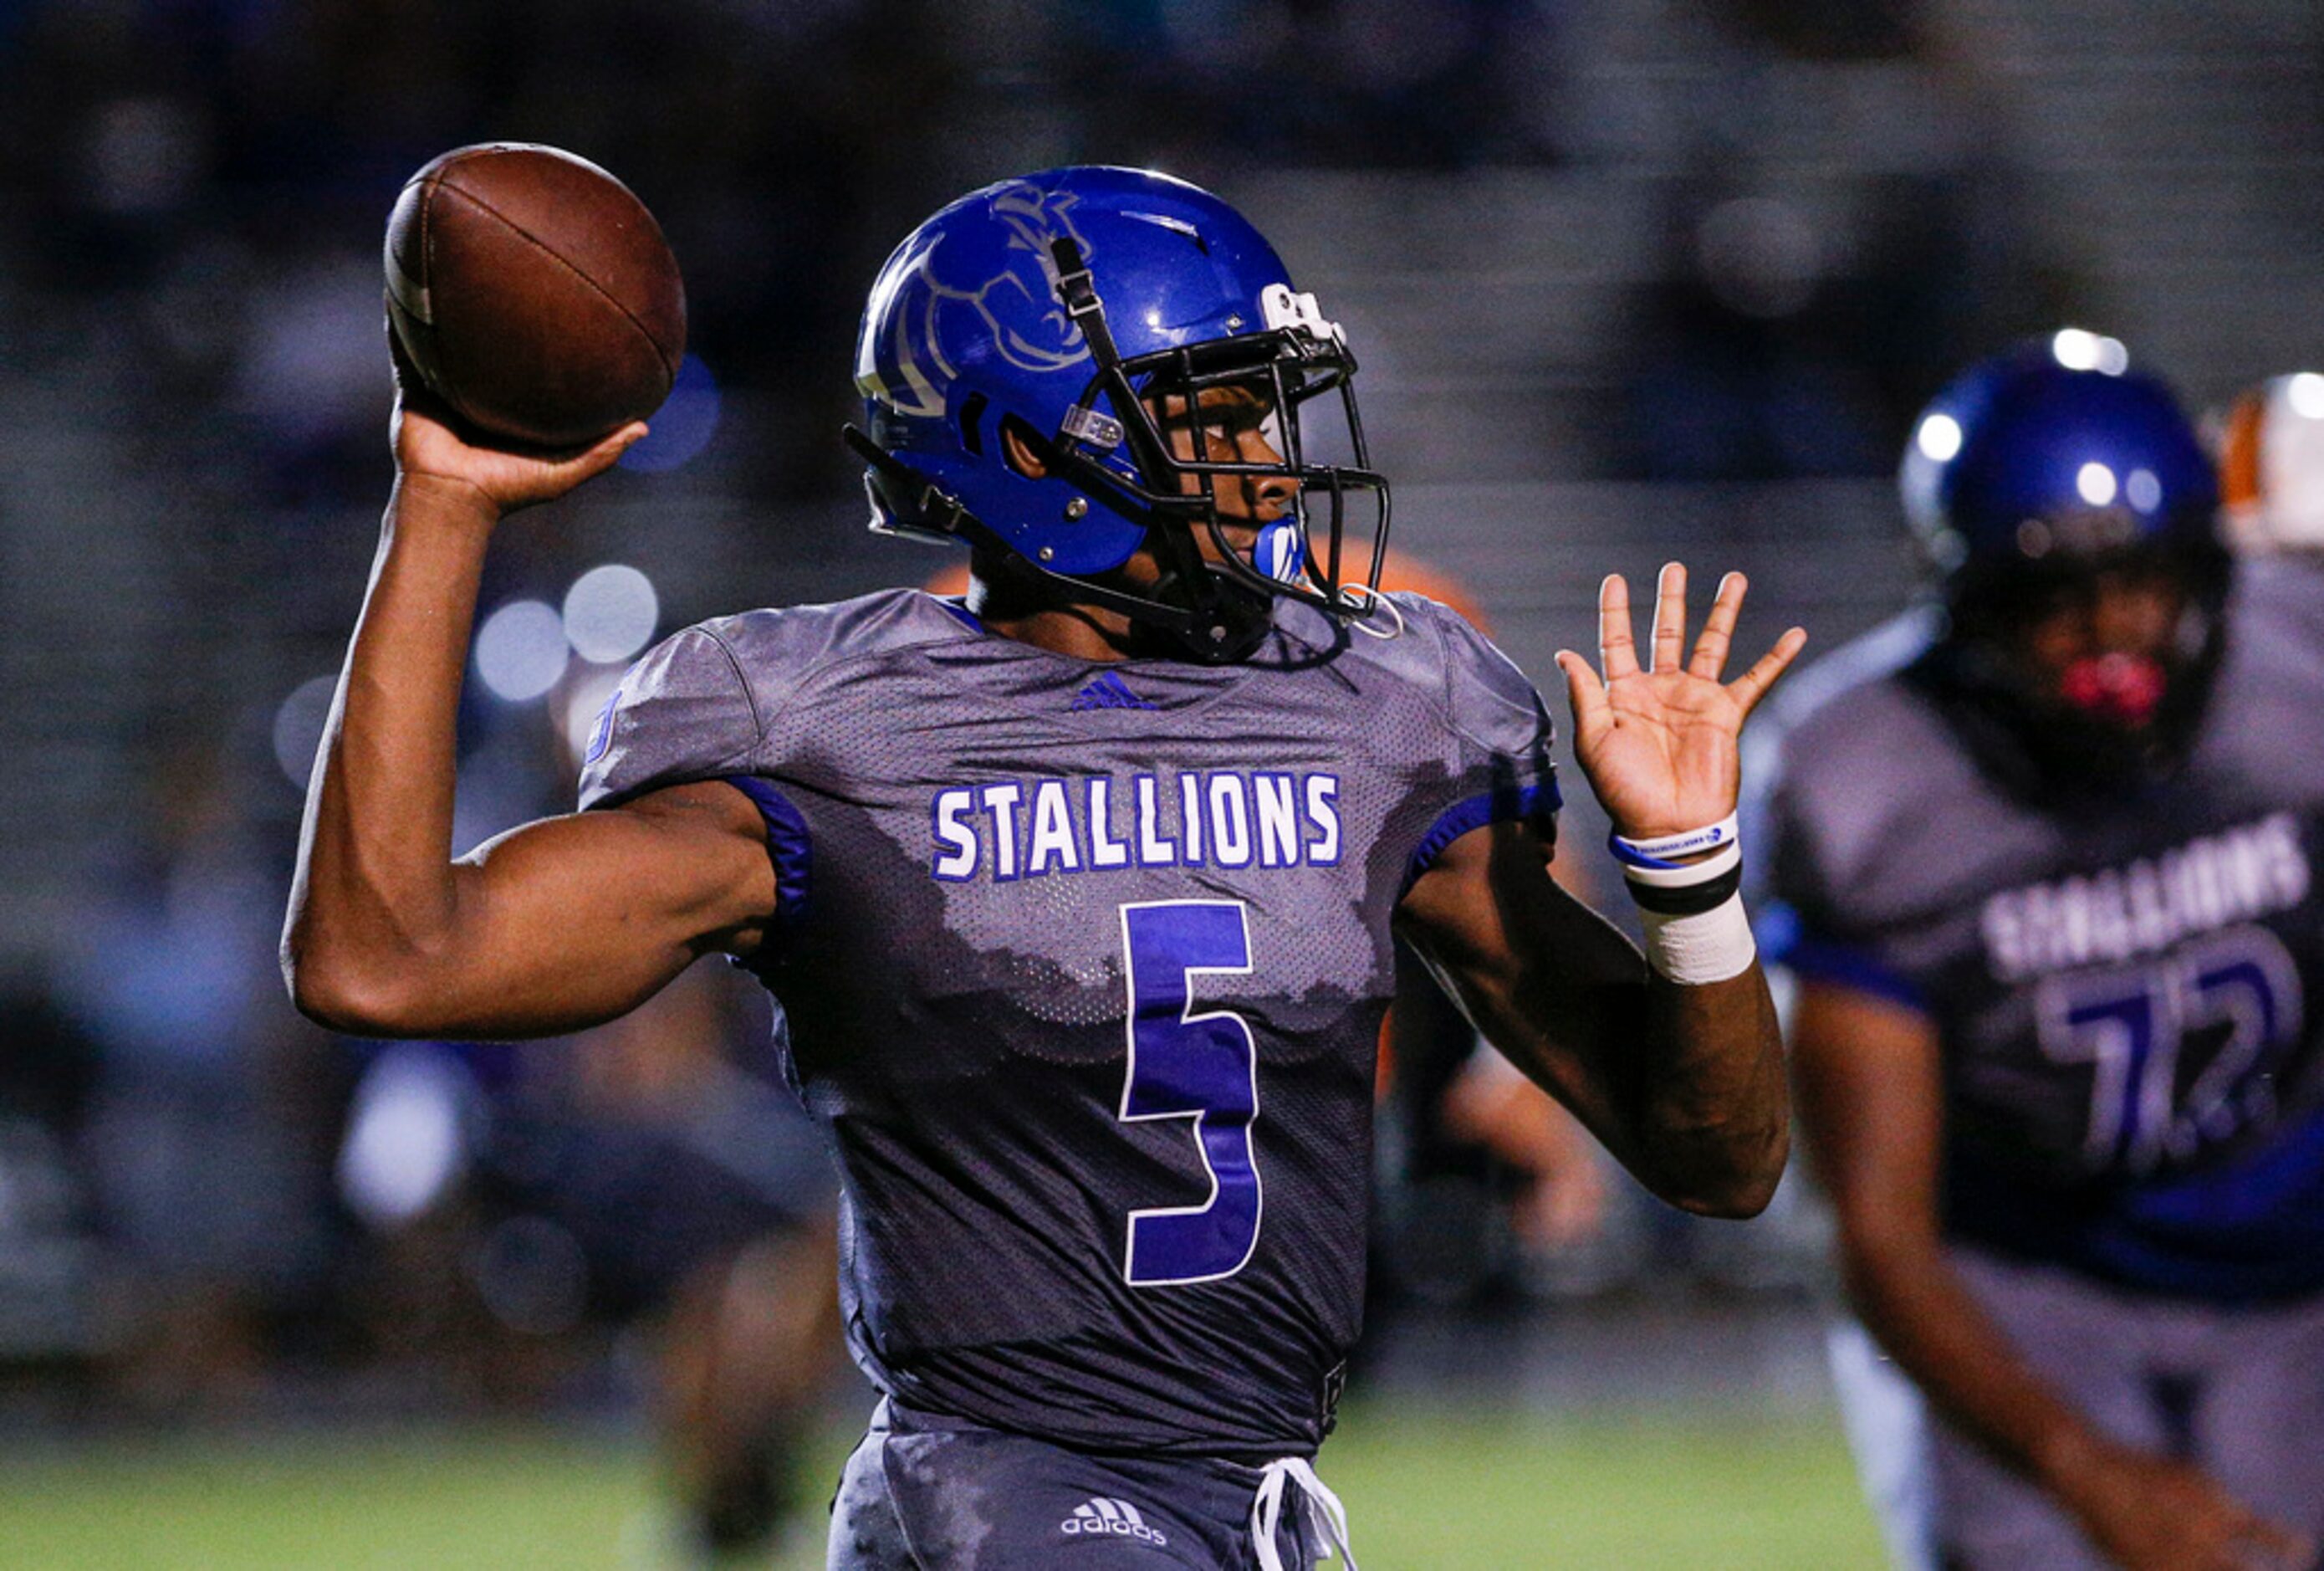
(1025, 449)
(972, 423)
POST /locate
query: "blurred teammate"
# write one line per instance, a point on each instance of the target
(643, 1178)
(1079, 899)
(2051, 852)
(2269, 445)
(702, 1206)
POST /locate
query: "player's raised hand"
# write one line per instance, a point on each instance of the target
(1659, 743)
(430, 447)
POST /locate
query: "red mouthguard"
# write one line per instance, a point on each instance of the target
(2123, 690)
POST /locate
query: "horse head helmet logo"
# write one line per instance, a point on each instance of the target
(965, 287)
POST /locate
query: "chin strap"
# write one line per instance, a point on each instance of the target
(1227, 626)
(1220, 616)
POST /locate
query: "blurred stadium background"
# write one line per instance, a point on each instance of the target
(1631, 279)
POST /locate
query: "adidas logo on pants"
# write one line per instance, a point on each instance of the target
(1111, 1518)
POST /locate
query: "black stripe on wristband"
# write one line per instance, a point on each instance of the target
(1692, 900)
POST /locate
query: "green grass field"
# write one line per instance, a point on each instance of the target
(1426, 1490)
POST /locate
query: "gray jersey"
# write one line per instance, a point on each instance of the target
(2128, 993)
(1084, 968)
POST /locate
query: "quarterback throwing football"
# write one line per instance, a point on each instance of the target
(1079, 895)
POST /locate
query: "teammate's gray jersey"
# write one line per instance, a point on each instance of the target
(1084, 968)
(2128, 993)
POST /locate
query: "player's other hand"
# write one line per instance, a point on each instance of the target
(433, 449)
(1659, 743)
(2149, 1513)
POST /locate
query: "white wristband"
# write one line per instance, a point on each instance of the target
(1712, 946)
(1658, 851)
(1689, 874)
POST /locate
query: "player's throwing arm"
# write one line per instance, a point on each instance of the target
(1674, 1063)
(565, 922)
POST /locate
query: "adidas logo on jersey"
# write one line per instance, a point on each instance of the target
(1110, 692)
(1099, 1517)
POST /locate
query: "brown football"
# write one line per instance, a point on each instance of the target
(534, 293)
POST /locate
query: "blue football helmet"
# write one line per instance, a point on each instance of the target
(1079, 310)
(2031, 475)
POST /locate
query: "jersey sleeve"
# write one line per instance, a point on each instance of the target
(1799, 899)
(1501, 736)
(1500, 718)
(682, 713)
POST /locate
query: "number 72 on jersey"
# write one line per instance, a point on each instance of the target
(2236, 992)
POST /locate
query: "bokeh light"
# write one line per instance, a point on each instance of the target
(2080, 350)
(585, 705)
(299, 727)
(403, 1145)
(678, 430)
(610, 613)
(2096, 483)
(521, 650)
(1938, 438)
(2305, 393)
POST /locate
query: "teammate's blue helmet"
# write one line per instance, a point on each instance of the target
(2030, 474)
(2055, 447)
(1082, 310)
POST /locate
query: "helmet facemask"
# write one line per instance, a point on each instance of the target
(2104, 719)
(1006, 410)
(2055, 478)
(1220, 603)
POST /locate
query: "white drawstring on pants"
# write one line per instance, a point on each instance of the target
(1325, 1515)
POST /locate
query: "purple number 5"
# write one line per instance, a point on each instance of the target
(1202, 1066)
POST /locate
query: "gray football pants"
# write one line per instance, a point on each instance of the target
(929, 1494)
(2240, 1392)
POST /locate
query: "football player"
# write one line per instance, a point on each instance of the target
(2047, 852)
(1078, 897)
(2270, 443)
(2270, 447)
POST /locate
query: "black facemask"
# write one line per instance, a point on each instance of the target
(2115, 723)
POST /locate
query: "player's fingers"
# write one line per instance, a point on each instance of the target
(1585, 693)
(1618, 651)
(1670, 618)
(1719, 629)
(2272, 1546)
(412, 393)
(1752, 685)
(608, 452)
(399, 357)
